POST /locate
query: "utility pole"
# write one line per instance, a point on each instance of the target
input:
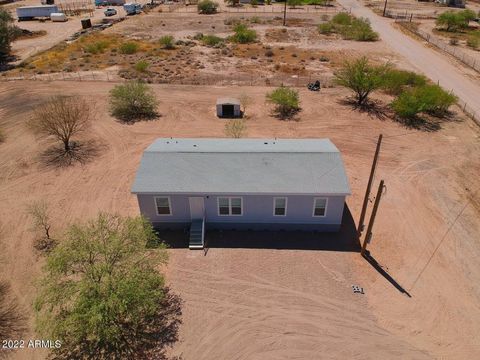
(385, 8)
(372, 218)
(285, 14)
(369, 186)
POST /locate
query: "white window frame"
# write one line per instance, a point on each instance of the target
(230, 205)
(326, 206)
(169, 205)
(286, 205)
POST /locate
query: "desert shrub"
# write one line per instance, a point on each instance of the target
(62, 118)
(286, 101)
(453, 41)
(133, 101)
(232, 2)
(349, 28)
(41, 226)
(361, 77)
(212, 40)
(473, 41)
(97, 47)
(326, 28)
(395, 81)
(102, 294)
(243, 35)
(269, 53)
(454, 21)
(142, 66)
(431, 99)
(207, 7)
(236, 128)
(167, 42)
(254, 3)
(7, 33)
(129, 47)
(2, 136)
(342, 18)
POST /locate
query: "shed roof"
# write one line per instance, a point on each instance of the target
(239, 166)
(229, 101)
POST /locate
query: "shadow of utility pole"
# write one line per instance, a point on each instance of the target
(371, 260)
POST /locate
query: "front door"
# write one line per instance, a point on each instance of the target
(197, 208)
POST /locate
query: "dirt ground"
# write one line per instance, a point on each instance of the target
(269, 303)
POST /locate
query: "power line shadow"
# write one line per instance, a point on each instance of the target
(371, 260)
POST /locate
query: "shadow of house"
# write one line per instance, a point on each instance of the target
(344, 240)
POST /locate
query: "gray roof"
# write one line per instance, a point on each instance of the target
(229, 101)
(235, 166)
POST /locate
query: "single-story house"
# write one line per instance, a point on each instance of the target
(228, 108)
(257, 184)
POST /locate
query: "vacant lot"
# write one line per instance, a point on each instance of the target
(279, 55)
(271, 303)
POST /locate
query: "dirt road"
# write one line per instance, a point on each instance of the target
(434, 65)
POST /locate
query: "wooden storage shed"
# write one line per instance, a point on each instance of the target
(228, 108)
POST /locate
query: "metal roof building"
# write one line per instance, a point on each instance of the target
(256, 166)
(265, 184)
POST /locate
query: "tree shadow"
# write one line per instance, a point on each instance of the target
(428, 122)
(80, 152)
(371, 260)
(286, 116)
(12, 320)
(373, 108)
(345, 240)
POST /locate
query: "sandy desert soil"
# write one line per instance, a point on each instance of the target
(271, 303)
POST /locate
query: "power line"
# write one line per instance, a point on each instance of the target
(441, 241)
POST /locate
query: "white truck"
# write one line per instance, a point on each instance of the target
(132, 8)
(30, 12)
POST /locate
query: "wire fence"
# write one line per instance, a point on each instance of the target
(468, 60)
(199, 79)
(268, 9)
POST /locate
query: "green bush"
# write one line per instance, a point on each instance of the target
(342, 19)
(142, 66)
(454, 21)
(243, 35)
(254, 3)
(431, 99)
(7, 31)
(101, 294)
(97, 47)
(361, 77)
(349, 28)
(129, 47)
(132, 101)
(286, 100)
(167, 42)
(326, 28)
(212, 40)
(473, 41)
(395, 81)
(207, 7)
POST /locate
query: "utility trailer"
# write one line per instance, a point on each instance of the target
(31, 12)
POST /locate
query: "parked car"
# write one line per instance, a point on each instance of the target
(110, 12)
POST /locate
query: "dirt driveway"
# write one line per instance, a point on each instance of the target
(271, 303)
(437, 67)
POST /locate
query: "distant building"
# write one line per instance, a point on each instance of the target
(258, 184)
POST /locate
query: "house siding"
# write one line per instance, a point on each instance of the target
(257, 213)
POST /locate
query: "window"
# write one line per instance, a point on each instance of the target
(319, 207)
(230, 206)
(279, 206)
(163, 206)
